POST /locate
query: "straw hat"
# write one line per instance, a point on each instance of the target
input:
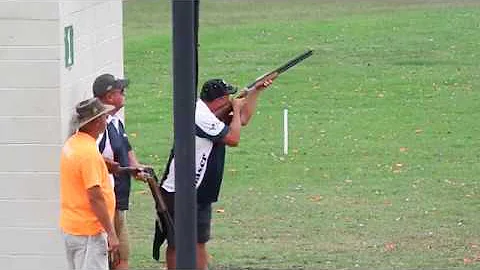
(90, 109)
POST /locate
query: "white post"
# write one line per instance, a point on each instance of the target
(285, 131)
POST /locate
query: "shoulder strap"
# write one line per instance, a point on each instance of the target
(123, 134)
(121, 127)
(103, 141)
(167, 167)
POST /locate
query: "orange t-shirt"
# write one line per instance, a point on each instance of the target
(82, 167)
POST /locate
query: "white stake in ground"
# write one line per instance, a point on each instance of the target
(285, 131)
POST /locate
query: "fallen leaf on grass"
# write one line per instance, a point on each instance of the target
(468, 260)
(290, 198)
(397, 168)
(220, 210)
(316, 198)
(403, 149)
(390, 246)
(418, 131)
(472, 245)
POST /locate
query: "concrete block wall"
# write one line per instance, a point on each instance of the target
(37, 96)
(98, 42)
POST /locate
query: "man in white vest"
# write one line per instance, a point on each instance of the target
(218, 120)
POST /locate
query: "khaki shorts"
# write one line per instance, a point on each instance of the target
(86, 252)
(120, 223)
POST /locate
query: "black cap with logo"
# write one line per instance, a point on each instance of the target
(107, 82)
(216, 88)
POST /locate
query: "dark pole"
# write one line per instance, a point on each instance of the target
(184, 77)
(197, 45)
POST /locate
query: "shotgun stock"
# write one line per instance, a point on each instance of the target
(164, 225)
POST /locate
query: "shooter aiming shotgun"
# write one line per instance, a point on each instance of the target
(224, 112)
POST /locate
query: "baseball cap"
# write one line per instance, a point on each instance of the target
(216, 88)
(107, 82)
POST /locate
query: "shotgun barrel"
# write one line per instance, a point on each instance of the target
(293, 62)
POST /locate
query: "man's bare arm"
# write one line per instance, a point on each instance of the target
(233, 136)
(99, 208)
(250, 105)
(132, 159)
(112, 166)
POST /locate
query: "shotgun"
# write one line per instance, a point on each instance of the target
(223, 112)
(276, 72)
(164, 225)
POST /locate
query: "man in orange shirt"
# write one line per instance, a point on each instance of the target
(86, 193)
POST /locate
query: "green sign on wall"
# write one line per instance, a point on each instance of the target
(68, 39)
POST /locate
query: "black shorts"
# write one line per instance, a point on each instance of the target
(204, 216)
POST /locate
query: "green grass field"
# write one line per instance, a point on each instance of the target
(383, 168)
